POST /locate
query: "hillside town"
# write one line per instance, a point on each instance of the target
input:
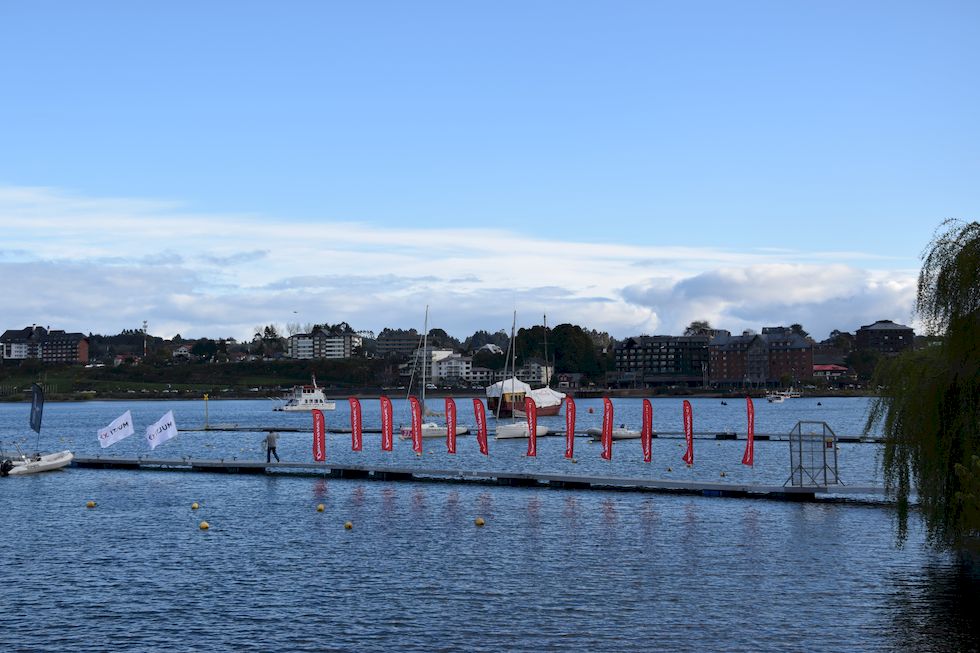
(566, 357)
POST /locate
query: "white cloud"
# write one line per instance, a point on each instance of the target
(102, 265)
(820, 297)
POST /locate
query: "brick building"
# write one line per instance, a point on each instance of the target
(48, 346)
(760, 359)
(885, 337)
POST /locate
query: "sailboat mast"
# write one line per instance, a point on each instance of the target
(547, 370)
(425, 352)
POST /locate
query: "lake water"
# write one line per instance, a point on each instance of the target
(550, 570)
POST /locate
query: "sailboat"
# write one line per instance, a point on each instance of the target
(509, 395)
(547, 401)
(38, 462)
(429, 429)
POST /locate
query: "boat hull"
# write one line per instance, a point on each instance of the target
(328, 405)
(432, 431)
(518, 430)
(617, 434)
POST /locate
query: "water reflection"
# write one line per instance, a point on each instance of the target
(935, 608)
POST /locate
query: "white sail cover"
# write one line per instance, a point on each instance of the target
(546, 397)
(510, 385)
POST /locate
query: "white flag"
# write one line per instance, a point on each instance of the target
(163, 430)
(120, 428)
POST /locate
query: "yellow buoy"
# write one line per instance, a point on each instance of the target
(205, 526)
(90, 504)
(348, 525)
(194, 506)
(479, 521)
(319, 507)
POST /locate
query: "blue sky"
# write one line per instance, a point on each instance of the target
(628, 166)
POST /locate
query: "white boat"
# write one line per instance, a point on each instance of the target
(432, 430)
(306, 397)
(621, 433)
(518, 430)
(779, 396)
(39, 463)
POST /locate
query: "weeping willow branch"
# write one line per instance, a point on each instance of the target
(929, 406)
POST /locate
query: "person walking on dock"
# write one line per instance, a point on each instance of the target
(271, 441)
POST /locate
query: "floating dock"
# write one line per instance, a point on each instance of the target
(720, 435)
(498, 478)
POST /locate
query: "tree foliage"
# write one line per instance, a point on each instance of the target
(698, 328)
(929, 405)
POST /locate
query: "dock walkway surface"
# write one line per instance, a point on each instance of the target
(870, 494)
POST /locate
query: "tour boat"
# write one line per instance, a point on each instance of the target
(306, 397)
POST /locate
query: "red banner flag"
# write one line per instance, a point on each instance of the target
(319, 437)
(450, 425)
(569, 427)
(646, 431)
(386, 424)
(355, 423)
(480, 417)
(416, 424)
(748, 458)
(531, 410)
(689, 432)
(607, 428)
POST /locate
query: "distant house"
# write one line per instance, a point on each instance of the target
(182, 353)
(48, 346)
(885, 337)
(829, 372)
(569, 381)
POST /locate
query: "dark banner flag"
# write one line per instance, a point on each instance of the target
(646, 431)
(480, 417)
(37, 406)
(689, 432)
(386, 425)
(450, 425)
(607, 428)
(748, 458)
(531, 410)
(416, 424)
(319, 437)
(569, 427)
(355, 424)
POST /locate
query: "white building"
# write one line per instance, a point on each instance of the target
(319, 344)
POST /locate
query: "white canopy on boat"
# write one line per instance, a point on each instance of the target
(507, 385)
(546, 397)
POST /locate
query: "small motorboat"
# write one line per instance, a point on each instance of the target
(38, 463)
(518, 430)
(620, 433)
(432, 430)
